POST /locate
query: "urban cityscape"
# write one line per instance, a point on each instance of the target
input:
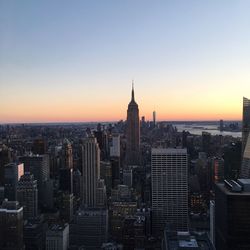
(101, 174)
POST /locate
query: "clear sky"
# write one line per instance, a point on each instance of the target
(75, 60)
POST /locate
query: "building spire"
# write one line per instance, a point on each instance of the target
(133, 95)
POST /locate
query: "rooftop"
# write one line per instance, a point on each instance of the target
(174, 240)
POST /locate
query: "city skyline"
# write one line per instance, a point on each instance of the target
(74, 62)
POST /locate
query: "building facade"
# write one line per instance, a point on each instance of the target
(27, 195)
(169, 169)
(245, 165)
(90, 171)
(232, 215)
(133, 133)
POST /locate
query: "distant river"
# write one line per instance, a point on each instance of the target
(197, 129)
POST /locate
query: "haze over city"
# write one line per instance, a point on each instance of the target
(64, 61)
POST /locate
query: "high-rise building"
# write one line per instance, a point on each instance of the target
(5, 158)
(90, 171)
(174, 240)
(154, 118)
(57, 237)
(11, 226)
(169, 167)
(27, 195)
(38, 165)
(89, 228)
(221, 125)
(245, 122)
(245, 163)
(12, 174)
(66, 180)
(128, 177)
(39, 146)
(115, 146)
(67, 155)
(133, 133)
(232, 215)
(212, 221)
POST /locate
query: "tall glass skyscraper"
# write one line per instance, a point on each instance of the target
(245, 166)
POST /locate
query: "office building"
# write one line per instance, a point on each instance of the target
(90, 171)
(212, 221)
(245, 164)
(12, 174)
(38, 165)
(66, 180)
(34, 233)
(232, 215)
(27, 195)
(106, 174)
(175, 240)
(218, 169)
(128, 177)
(115, 146)
(66, 207)
(154, 119)
(245, 122)
(67, 155)
(89, 228)
(101, 197)
(39, 146)
(11, 226)
(57, 237)
(169, 168)
(133, 133)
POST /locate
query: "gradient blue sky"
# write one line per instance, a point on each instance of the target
(74, 60)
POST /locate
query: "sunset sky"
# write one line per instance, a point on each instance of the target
(75, 60)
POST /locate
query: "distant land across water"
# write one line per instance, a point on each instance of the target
(194, 127)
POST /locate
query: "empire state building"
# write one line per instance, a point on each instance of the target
(133, 132)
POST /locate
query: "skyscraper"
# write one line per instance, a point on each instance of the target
(245, 122)
(154, 118)
(12, 174)
(232, 215)
(169, 188)
(11, 226)
(90, 171)
(27, 195)
(133, 133)
(245, 165)
(67, 155)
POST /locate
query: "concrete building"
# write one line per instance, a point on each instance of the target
(245, 122)
(115, 146)
(27, 195)
(128, 177)
(34, 234)
(174, 240)
(232, 215)
(169, 168)
(154, 119)
(89, 228)
(245, 167)
(67, 155)
(11, 226)
(245, 164)
(212, 221)
(38, 165)
(90, 171)
(133, 133)
(12, 174)
(57, 237)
